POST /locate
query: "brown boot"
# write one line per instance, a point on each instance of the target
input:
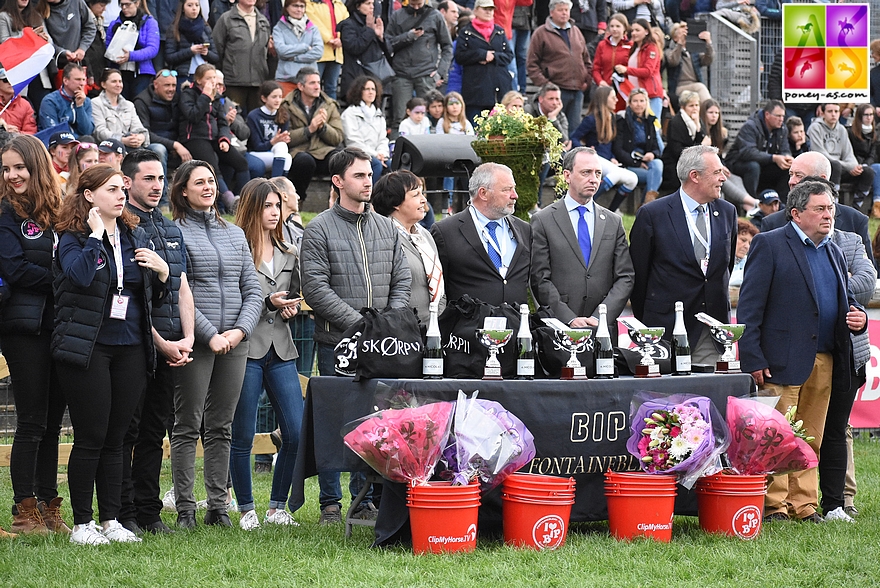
(876, 210)
(28, 520)
(7, 535)
(52, 516)
(651, 196)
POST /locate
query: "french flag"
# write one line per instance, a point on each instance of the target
(24, 58)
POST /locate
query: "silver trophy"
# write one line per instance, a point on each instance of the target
(494, 339)
(645, 339)
(727, 335)
(574, 341)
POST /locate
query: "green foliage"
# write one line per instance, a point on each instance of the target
(785, 554)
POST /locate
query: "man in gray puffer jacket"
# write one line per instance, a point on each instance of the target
(351, 258)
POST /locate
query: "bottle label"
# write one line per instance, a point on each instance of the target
(605, 367)
(525, 367)
(432, 366)
(682, 363)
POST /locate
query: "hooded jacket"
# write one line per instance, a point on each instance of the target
(755, 142)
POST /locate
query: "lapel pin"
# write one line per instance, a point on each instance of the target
(602, 216)
(715, 213)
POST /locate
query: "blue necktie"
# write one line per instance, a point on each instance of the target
(493, 251)
(584, 235)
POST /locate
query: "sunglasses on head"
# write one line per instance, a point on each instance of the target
(454, 101)
(167, 73)
(85, 147)
(419, 110)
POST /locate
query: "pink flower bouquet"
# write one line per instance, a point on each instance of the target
(682, 435)
(403, 445)
(763, 441)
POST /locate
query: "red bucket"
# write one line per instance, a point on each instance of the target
(443, 523)
(536, 523)
(731, 505)
(640, 510)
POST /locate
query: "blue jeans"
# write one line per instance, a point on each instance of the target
(650, 178)
(256, 167)
(302, 327)
(377, 167)
(282, 385)
(329, 71)
(573, 107)
(328, 482)
(876, 168)
(520, 43)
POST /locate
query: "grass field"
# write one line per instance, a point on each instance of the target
(785, 554)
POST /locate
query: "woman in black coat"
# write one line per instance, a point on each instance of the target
(682, 133)
(484, 53)
(362, 37)
(188, 44)
(635, 144)
(31, 200)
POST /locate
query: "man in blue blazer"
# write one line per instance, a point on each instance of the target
(664, 243)
(798, 314)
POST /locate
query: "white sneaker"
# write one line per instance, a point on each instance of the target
(231, 506)
(168, 502)
(280, 517)
(838, 515)
(88, 534)
(249, 521)
(116, 532)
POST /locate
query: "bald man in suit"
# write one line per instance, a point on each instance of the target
(580, 258)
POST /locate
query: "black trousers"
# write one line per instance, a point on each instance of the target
(210, 151)
(142, 449)
(832, 459)
(303, 169)
(101, 399)
(862, 183)
(39, 408)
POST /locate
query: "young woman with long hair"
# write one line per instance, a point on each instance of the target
(29, 204)
(363, 123)
(271, 363)
(866, 146)
(716, 133)
(635, 145)
(643, 66)
(270, 134)
(82, 157)
(226, 292)
(108, 278)
(189, 44)
(613, 49)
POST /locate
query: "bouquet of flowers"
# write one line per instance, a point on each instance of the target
(488, 443)
(402, 444)
(764, 441)
(681, 434)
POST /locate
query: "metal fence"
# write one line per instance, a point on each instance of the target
(734, 73)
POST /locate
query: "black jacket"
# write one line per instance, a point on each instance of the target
(160, 117)
(168, 243)
(360, 45)
(756, 142)
(79, 312)
(866, 149)
(26, 267)
(624, 141)
(677, 140)
(201, 117)
(487, 82)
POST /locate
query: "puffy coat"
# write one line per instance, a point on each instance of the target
(416, 57)
(755, 142)
(20, 114)
(79, 311)
(862, 279)
(295, 52)
(161, 117)
(179, 55)
(359, 45)
(487, 82)
(319, 13)
(366, 132)
(351, 261)
(168, 243)
(114, 123)
(242, 60)
(326, 139)
(551, 59)
(647, 70)
(201, 117)
(147, 46)
(221, 275)
(26, 251)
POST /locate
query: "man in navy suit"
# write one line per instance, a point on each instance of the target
(846, 218)
(683, 248)
(798, 314)
(484, 249)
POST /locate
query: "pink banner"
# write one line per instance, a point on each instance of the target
(866, 410)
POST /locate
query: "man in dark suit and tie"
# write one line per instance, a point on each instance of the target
(580, 258)
(846, 218)
(798, 313)
(683, 248)
(484, 250)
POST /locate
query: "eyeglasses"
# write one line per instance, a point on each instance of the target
(85, 147)
(125, 4)
(871, 114)
(167, 73)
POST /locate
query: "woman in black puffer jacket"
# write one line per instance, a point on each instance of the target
(31, 199)
(107, 279)
(203, 127)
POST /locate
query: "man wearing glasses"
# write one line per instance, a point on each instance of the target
(795, 300)
(761, 155)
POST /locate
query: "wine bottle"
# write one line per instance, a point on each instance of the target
(604, 353)
(432, 361)
(525, 359)
(681, 349)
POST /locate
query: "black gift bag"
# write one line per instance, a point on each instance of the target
(465, 356)
(626, 360)
(384, 344)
